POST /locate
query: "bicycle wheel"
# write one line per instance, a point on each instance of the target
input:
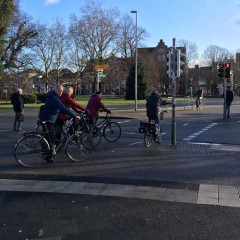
(31, 150)
(96, 137)
(78, 146)
(112, 132)
(148, 139)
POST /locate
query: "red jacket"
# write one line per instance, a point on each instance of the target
(69, 103)
(94, 105)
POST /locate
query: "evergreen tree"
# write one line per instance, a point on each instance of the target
(143, 88)
(7, 9)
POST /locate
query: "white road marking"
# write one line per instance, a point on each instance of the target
(184, 125)
(131, 144)
(200, 132)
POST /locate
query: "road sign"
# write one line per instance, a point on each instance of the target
(101, 67)
(101, 75)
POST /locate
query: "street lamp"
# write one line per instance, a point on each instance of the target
(135, 12)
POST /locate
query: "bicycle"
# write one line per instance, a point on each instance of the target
(150, 130)
(33, 148)
(111, 131)
(198, 103)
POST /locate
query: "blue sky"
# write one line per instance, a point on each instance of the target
(203, 22)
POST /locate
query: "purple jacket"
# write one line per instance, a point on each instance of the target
(94, 105)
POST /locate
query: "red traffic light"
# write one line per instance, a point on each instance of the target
(227, 65)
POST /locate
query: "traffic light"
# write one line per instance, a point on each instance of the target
(180, 62)
(221, 70)
(170, 64)
(227, 70)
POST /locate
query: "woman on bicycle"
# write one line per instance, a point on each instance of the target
(94, 105)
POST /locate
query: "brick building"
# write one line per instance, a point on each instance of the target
(155, 58)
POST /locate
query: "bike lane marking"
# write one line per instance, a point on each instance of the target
(189, 138)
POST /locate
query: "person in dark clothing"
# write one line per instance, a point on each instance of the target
(199, 97)
(153, 109)
(94, 105)
(18, 105)
(53, 107)
(229, 99)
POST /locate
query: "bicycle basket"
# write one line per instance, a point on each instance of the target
(146, 126)
(143, 127)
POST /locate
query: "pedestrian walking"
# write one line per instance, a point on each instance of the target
(18, 105)
(229, 99)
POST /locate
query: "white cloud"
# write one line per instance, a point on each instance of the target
(51, 2)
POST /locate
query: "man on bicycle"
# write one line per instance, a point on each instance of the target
(53, 107)
(153, 110)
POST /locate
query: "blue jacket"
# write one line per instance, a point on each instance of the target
(53, 107)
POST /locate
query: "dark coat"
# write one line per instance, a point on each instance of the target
(53, 107)
(229, 96)
(94, 105)
(152, 105)
(17, 102)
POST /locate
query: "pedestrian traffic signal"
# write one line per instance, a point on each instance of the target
(221, 70)
(227, 70)
(180, 62)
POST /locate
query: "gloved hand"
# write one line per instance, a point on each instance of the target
(108, 111)
(87, 112)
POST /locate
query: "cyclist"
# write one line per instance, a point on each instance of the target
(53, 107)
(153, 110)
(68, 101)
(94, 106)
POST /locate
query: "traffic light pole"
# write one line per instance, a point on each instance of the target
(173, 137)
(224, 90)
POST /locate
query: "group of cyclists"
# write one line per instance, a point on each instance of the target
(60, 106)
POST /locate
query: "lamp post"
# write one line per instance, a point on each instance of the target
(136, 41)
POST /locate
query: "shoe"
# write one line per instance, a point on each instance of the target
(228, 117)
(157, 140)
(49, 159)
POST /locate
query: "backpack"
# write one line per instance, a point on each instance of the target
(40, 110)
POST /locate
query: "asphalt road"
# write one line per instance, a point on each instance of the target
(69, 216)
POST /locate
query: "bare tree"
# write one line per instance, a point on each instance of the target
(191, 50)
(48, 53)
(214, 53)
(96, 30)
(62, 44)
(40, 56)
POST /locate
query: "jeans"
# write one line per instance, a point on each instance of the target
(228, 106)
(17, 126)
(157, 121)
